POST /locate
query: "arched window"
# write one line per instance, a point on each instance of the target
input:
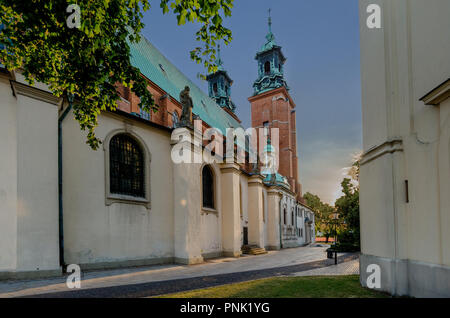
(267, 67)
(126, 166)
(215, 89)
(174, 119)
(284, 215)
(208, 187)
(292, 216)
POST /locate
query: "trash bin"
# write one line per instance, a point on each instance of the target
(330, 253)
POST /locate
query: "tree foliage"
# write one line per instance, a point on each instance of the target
(323, 214)
(90, 61)
(347, 206)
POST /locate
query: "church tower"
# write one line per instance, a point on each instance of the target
(219, 85)
(273, 107)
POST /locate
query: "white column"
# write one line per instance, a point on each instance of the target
(273, 218)
(231, 221)
(255, 211)
(187, 205)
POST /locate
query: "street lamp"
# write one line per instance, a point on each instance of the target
(335, 217)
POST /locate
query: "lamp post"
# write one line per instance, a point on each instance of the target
(335, 217)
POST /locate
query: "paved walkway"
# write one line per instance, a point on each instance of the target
(345, 268)
(154, 280)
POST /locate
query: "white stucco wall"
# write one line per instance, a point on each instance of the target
(37, 153)
(398, 58)
(8, 177)
(211, 222)
(99, 233)
(244, 197)
(28, 182)
(405, 139)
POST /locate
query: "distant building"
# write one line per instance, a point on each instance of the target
(405, 169)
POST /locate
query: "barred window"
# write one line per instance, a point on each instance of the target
(126, 166)
(208, 187)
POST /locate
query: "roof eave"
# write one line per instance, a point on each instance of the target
(437, 95)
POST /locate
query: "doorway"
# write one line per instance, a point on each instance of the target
(245, 236)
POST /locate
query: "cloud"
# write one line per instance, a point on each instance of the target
(323, 165)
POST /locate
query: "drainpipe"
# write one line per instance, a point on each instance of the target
(60, 185)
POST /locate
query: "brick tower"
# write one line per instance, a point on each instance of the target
(273, 107)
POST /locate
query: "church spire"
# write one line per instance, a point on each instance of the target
(219, 84)
(219, 61)
(270, 64)
(270, 37)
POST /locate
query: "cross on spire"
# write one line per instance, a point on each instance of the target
(270, 37)
(219, 61)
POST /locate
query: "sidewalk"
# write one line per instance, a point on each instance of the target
(224, 269)
(346, 268)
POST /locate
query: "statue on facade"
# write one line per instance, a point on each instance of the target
(186, 105)
(255, 167)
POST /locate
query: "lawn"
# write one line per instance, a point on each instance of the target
(285, 287)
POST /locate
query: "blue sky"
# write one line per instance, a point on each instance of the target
(320, 39)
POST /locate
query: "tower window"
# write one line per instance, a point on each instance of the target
(267, 67)
(215, 89)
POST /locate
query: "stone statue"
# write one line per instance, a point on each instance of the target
(255, 168)
(186, 105)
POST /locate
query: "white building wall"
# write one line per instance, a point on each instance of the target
(244, 204)
(404, 139)
(37, 178)
(265, 218)
(96, 234)
(211, 222)
(28, 181)
(8, 177)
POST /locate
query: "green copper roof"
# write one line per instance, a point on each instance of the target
(279, 180)
(163, 73)
(270, 44)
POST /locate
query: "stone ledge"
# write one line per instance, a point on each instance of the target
(19, 275)
(36, 93)
(188, 261)
(127, 263)
(408, 277)
(232, 254)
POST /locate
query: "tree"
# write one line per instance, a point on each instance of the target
(347, 206)
(88, 61)
(323, 213)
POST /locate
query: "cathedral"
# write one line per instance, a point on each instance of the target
(128, 203)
